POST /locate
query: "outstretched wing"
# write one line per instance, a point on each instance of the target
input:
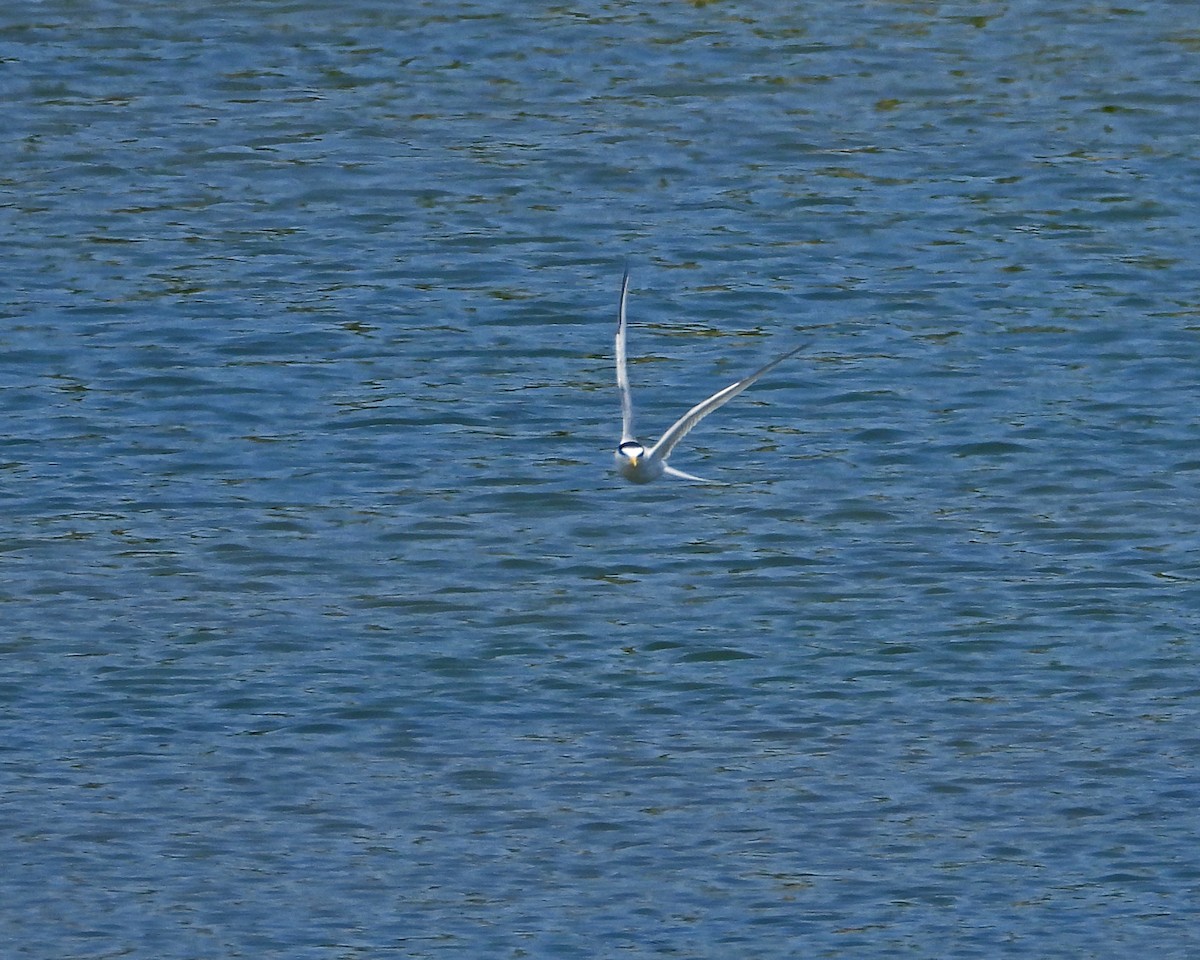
(679, 429)
(622, 374)
(672, 472)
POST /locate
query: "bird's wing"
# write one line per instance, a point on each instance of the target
(680, 427)
(672, 472)
(622, 374)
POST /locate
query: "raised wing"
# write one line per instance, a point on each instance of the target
(679, 429)
(622, 374)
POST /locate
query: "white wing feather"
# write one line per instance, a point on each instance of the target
(622, 374)
(679, 429)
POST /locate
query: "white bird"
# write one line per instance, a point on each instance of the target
(634, 462)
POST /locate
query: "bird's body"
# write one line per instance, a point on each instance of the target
(641, 468)
(634, 461)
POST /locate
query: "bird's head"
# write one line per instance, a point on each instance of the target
(632, 451)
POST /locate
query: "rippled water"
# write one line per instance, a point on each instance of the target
(327, 631)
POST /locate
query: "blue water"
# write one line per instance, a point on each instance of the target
(327, 631)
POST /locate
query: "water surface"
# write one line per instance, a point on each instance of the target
(327, 632)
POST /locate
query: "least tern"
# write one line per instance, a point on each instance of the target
(639, 465)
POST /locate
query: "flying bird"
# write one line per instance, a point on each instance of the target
(634, 461)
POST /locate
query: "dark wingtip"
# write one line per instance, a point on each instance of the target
(624, 293)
